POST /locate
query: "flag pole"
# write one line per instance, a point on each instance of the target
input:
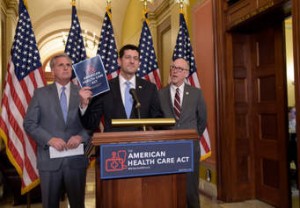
(28, 199)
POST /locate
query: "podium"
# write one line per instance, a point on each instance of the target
(167, 191)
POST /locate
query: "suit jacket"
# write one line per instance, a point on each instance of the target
(192, 116)
(193, 109)
(44, 120)
(110, 106)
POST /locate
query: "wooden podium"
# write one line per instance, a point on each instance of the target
(167, 191)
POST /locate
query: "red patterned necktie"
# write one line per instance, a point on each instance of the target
(177, 107)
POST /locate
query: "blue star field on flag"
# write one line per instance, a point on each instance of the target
(183, 48)
(107, 47)
(148, 68)
(25, 54)
(75, 45)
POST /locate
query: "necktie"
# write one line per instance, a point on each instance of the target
(128, 99)
(63, 103)
(177, 107)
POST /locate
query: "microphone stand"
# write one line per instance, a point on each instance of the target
(137, 107)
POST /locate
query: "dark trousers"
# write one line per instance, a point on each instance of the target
(192, 181)
(69, 179)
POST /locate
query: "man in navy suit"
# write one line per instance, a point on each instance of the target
(190, 113)
(111, 104)
(47, 124)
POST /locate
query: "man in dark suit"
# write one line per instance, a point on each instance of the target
(112, 104)
(189, 110)
(61, 130)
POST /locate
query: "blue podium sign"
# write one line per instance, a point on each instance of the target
(146, 158)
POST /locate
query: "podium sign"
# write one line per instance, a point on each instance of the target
(145, 158)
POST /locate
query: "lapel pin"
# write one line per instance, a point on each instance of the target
(140, 87)
(187, 93)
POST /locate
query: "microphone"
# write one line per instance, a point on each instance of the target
(135, 97)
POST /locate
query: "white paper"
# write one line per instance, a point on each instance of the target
(66, 153)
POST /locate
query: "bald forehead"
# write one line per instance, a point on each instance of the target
(181, 62)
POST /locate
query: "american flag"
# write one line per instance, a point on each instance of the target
(107, 46)
(108, 52)
(183, 49)
(75, 45)
(149, 68)
(23, 76)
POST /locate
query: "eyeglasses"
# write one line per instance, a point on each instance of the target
(178, 69)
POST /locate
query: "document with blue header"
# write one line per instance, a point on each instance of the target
(91, 72)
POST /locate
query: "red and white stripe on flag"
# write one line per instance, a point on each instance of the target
(205, 146)
(20, 149)
(183, 49)
(23, 76)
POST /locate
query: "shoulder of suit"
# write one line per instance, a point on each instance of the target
(44, 90)
(74, 87)
(192, 89)
(46, 87)
(114, 80)
(143, 82)
(164, 89)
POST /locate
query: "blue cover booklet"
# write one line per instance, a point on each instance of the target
(91, 72)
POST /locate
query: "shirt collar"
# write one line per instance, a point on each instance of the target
(59, 86)
(122, 80)
(181, 87)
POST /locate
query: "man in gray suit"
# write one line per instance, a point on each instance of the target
(58, 128)
(186, 104)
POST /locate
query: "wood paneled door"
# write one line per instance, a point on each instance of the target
(269, 115)
(260, 114)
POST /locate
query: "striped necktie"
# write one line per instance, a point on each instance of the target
(177, 107)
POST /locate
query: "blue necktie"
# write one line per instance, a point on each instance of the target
(128, 99)
(63, 103)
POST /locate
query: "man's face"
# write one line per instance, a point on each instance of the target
(62, 70)
(129, 63)
(178, 72)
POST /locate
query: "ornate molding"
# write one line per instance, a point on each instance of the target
(11, 6)
(158, 8)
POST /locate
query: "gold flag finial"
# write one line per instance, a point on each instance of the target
(108, 3)
(146, 4)
(181, 4)
(73, 2)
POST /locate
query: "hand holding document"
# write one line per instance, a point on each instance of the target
(91, 72)
(66, 153)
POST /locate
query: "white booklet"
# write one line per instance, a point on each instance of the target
(66, 153)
